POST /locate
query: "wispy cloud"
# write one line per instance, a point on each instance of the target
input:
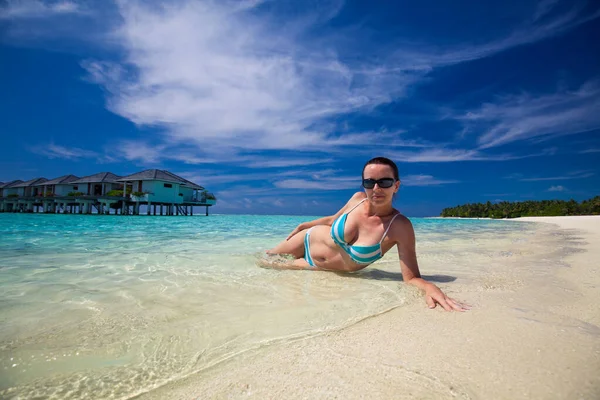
(445, 154)
(262, 162)
(228, 78)
(425, 180)
(587, 151)
(543, 24)
(259, 89)
(557, 189)
(543, 8)
(16, 9)
(449, 155)
(151, 154)
(224, 78)
(330, 183)
(526, 117)
(568, 176)
(514, 176)
(340, 183)
(52, 150)
(139, 151)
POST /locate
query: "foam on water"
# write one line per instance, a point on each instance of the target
(115, 306)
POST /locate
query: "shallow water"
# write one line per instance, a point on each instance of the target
(110, 307)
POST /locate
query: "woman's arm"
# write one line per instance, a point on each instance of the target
(406, 244)
(329, 219)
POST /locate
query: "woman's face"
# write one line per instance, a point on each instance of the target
(380, 195)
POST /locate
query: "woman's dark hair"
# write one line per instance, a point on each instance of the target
(383, 161)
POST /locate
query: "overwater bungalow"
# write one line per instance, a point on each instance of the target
(60, 186)
(29, 188)
(164, 188)
(8, 192)
(20, 196)
(97, 184)
(160, 192)
(10, 189)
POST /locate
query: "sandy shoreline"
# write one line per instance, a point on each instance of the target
(536, 340)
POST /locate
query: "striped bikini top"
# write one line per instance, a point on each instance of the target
(359, 254)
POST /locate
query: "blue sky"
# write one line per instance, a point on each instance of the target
(275, 106)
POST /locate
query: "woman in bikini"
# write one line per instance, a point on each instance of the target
(360, 233)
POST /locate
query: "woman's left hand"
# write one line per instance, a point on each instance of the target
(434, 296)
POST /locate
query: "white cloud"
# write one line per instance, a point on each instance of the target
(425, 56)
(221, 78)
(568, 176)
(321, 184)
(526, 117)
(543, 8)
(451, 155)
(226, 78)
(52, 150)
(329, 181)
(557, 189)
(424, 180)
(15, 9)
(262, 162)
(138, 151)
(514, 176)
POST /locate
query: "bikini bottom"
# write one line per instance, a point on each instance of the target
(307, 255)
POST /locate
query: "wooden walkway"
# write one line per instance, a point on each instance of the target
(106, 205)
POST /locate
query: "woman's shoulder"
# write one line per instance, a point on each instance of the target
(352, 202)
(355, 199)
(401, 229)
(358, 196)
(401, 223)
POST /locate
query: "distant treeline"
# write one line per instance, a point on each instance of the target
(505, 209)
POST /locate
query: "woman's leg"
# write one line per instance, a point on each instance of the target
(299, 263)
(293, 246)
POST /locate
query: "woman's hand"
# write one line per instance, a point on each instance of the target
(296, 230)
(433, 296)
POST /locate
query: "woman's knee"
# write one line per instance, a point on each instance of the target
(293, 246)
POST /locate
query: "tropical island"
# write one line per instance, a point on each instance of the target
(542, 208)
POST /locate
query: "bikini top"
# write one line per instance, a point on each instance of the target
(359, 254)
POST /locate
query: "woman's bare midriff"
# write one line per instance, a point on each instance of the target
(328, 255)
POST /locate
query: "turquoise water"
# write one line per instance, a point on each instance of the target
(113, 306)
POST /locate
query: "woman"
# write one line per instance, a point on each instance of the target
(360, 233)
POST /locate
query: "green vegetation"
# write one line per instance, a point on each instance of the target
(206, 195)
(12, 195)
(75, 194)
(138, 194)
(118, 192)
(505, 209)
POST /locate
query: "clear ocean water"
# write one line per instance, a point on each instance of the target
(113, 306)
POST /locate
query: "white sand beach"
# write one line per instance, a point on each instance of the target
(532, 334)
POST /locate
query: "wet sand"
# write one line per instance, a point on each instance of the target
(533, 333)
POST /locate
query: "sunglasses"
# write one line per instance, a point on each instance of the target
(383, 183)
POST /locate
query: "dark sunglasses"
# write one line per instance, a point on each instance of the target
(383, 183)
